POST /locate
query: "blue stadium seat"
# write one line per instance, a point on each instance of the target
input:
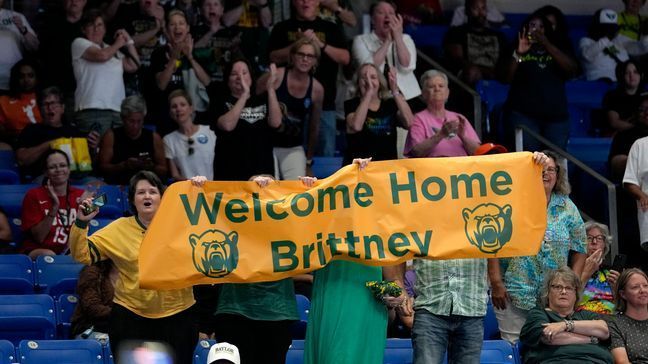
(11, 197)
(298, 328)
(428, 38)
(326, 166)
(27, 317)
(108, 355)
(587, 93)
(202, 350)
(518, 348)
(579, 120)
(16, 274)
(493, 93)
(398, 351)
(8, 168)
(65, 305)
(592, 151)
(60, 351)
(491, 328)
(575, 35)
(295, 353)
(497, 352)
(98, 224)
(16, 231)
(57, 274)
(7, 352)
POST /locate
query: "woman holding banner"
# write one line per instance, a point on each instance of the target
(516, 282)
(137, 314)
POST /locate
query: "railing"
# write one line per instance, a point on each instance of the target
(477, 109)
(611, 187)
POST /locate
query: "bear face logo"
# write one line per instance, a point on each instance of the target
(488, 226)
(215, 253)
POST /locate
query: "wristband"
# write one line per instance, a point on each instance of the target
(517, 57)
(395, 93)
(130, 41)
(81, 224)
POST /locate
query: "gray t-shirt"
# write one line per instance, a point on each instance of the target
(630, 334)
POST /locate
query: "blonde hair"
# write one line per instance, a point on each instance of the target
(302, 42)
(383, 90)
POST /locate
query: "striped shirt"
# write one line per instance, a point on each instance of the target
(451, 287)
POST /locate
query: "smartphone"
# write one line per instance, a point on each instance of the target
(620, 261)
(97, 202)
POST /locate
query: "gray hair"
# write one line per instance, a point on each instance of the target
(606, 233)
(568, 276)
(562, 182)
(133, 104)
(429, 74)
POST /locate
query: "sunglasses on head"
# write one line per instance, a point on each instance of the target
(190, 141)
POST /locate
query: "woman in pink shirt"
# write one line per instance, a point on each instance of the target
(437, 132)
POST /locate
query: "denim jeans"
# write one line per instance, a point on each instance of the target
(327, 134)
(461, 336)
(556, 131)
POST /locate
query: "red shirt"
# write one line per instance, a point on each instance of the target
(36, 205)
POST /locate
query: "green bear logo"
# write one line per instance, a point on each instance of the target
(215, 253)
(488, 226)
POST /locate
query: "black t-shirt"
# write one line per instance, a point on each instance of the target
(378, 136)
(538, 88)
(124, 148)
(223, 46)
(55, 53)
(625, 105)
(481, 47)
(624, 139)
(35, 134)
(286, 32)
(130, 18)
(247, 150)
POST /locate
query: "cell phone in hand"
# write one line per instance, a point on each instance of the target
(97, 202)
(620, 261)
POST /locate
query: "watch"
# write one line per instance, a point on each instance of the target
(594, 340)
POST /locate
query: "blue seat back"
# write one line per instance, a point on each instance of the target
(29, 316)
(589, 93)
(7, 352)
(57, 274)
(398, 351)
(97, 224)
(497, 352)
(16, 274)
(295, 353)
(65, 306)
(115, 200)
(8, 168)
(202, 350)
(298, 328)
(428, 38)
(12, 197)
(491, 327)
(60, 351)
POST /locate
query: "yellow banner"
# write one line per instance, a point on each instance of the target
(392, 211)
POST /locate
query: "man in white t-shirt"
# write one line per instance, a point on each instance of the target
(16, 36)
(635, 181)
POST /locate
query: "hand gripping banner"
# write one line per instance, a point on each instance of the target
(392, 211)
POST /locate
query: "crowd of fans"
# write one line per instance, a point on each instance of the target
(148, 92)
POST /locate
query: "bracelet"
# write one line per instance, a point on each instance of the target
(395, 93)
(517, 57)
(594, 340)
(130, 41)
(569, 325)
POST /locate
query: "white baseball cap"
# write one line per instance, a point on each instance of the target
(608, 16)
(224, 351)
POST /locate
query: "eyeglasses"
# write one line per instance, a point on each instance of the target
(54, 167)
(560, 288)
(551, 170)
(190, 141)
(307, 56)
(51, 104)
(598, 238)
